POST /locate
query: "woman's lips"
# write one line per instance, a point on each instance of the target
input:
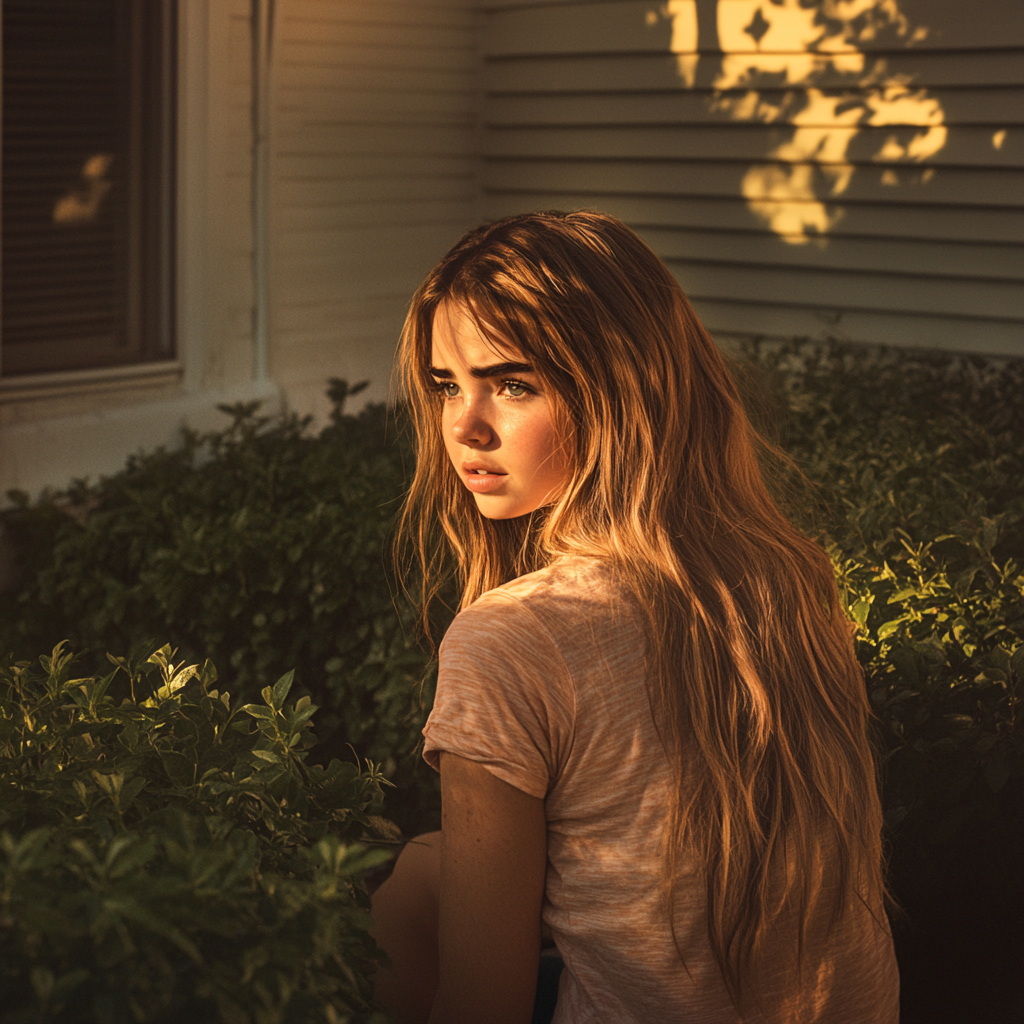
(483, 483)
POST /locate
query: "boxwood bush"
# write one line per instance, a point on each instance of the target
(264, 547)
(167, 853)
(261, 546)
(916, 462)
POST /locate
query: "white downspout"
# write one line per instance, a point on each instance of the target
(262, 38)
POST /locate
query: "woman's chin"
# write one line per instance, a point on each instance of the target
(495, 507)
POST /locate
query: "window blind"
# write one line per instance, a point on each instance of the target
(87, 141)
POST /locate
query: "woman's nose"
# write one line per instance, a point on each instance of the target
(471, 428)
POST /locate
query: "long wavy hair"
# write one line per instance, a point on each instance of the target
(755, 690)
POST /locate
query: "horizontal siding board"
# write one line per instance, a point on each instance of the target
(866, 220)
(338, 168)
(377, 106)
(999, 107)
(322, 52)
(297, 36)
(325, 65)
(938, 259)
(321, 132)
(324, 126)
(320, 227)
(304, 198)
(410, 141)
(992, 337)
(399, 15)
(363, 72)
(308, 316)
(961, 185)
(621, 72)
(876, 292)
(511, 5)
(371, 273)
(341, 252)
(966, 145)
(625, 26)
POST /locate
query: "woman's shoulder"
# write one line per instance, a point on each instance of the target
(572, 587)
(567, 578)
(577, 604)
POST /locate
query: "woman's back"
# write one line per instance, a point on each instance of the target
(543, 681)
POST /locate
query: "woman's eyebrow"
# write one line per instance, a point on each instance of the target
(483, 372)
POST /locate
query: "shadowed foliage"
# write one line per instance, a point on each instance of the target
(168, 854)
(264, 547)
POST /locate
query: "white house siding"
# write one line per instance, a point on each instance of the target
(850, 169)
(374, 175)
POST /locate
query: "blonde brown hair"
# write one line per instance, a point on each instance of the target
(753, 682)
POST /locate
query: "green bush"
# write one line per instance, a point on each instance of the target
(262, 547)
(918, 472)
(171, 855)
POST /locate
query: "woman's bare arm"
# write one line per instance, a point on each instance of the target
(405, 926)
(493, 866)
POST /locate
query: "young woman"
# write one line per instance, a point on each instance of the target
(651, 729)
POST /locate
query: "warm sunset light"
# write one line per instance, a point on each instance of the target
(512, 511)
(776, 58)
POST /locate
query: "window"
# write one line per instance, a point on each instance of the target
(88, 184)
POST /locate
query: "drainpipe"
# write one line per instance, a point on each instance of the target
(262, 38)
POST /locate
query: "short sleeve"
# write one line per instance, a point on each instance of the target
(504, 695)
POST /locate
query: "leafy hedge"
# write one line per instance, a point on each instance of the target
(917, 462)
(262, 547)
(918, 466)
(168, 854)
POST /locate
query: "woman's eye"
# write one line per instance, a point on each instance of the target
(516, 388)
(448, 389)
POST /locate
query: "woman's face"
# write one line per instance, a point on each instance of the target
(497, 420)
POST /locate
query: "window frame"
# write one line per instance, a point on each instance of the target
(149, 252)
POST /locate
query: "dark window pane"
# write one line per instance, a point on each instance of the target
(86, 182)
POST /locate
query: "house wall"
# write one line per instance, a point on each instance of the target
(374, 176)
(859, 177)
(295, 263)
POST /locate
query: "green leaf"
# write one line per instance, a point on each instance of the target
(268, 755)
(180, 770)
(129, 736)
(859, 611)
(989, 534)
(128, 907)
(997, 772)
(281, 688)
(257, 711)
(1017, 662)
(26, 852)
(130, 791)
(127, 854)
(888, 628)
(208, 674)
(299, 717)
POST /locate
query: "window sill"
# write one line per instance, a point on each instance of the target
(83, 382)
